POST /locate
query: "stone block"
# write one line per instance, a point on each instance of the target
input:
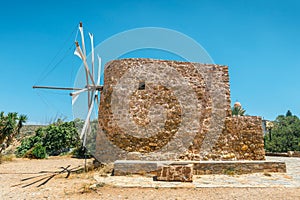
(183, 173)
(128, 167)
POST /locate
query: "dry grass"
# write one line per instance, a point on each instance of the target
(7, 158)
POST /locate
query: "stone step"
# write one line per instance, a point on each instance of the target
(127, 167)
(182, 173)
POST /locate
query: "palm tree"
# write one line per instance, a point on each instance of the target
(237, 110)
(10, 126)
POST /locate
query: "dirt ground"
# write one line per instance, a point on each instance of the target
(84, 186)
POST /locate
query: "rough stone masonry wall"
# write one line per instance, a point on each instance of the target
(242, 139)
(169, 110)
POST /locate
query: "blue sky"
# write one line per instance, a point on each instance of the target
(258, 40)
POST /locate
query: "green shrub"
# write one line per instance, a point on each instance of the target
(60, 138)
(53, 140)
(81, 152)
(39, 151)
(26, 145)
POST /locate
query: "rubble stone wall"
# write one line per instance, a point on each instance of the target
(169, 110)
(238, 167)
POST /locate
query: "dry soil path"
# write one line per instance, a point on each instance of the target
(84, 186)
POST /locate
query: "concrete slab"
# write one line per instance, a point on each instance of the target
(127, 167)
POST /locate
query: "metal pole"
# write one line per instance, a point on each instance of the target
(55, 88)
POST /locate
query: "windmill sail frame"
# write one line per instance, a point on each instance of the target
(92, 87)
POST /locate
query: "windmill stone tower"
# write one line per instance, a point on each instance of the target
(169, 110)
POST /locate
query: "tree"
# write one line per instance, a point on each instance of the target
(288, 113)
(52, 140)
(10, 126)
(237, 110)
(60, 137)
(285, 134)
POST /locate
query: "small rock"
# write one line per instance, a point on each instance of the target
(244, 148)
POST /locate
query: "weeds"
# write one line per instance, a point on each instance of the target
(6, 158)
(229, 171)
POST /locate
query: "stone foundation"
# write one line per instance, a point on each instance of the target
(127, 167)
(238, 167)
